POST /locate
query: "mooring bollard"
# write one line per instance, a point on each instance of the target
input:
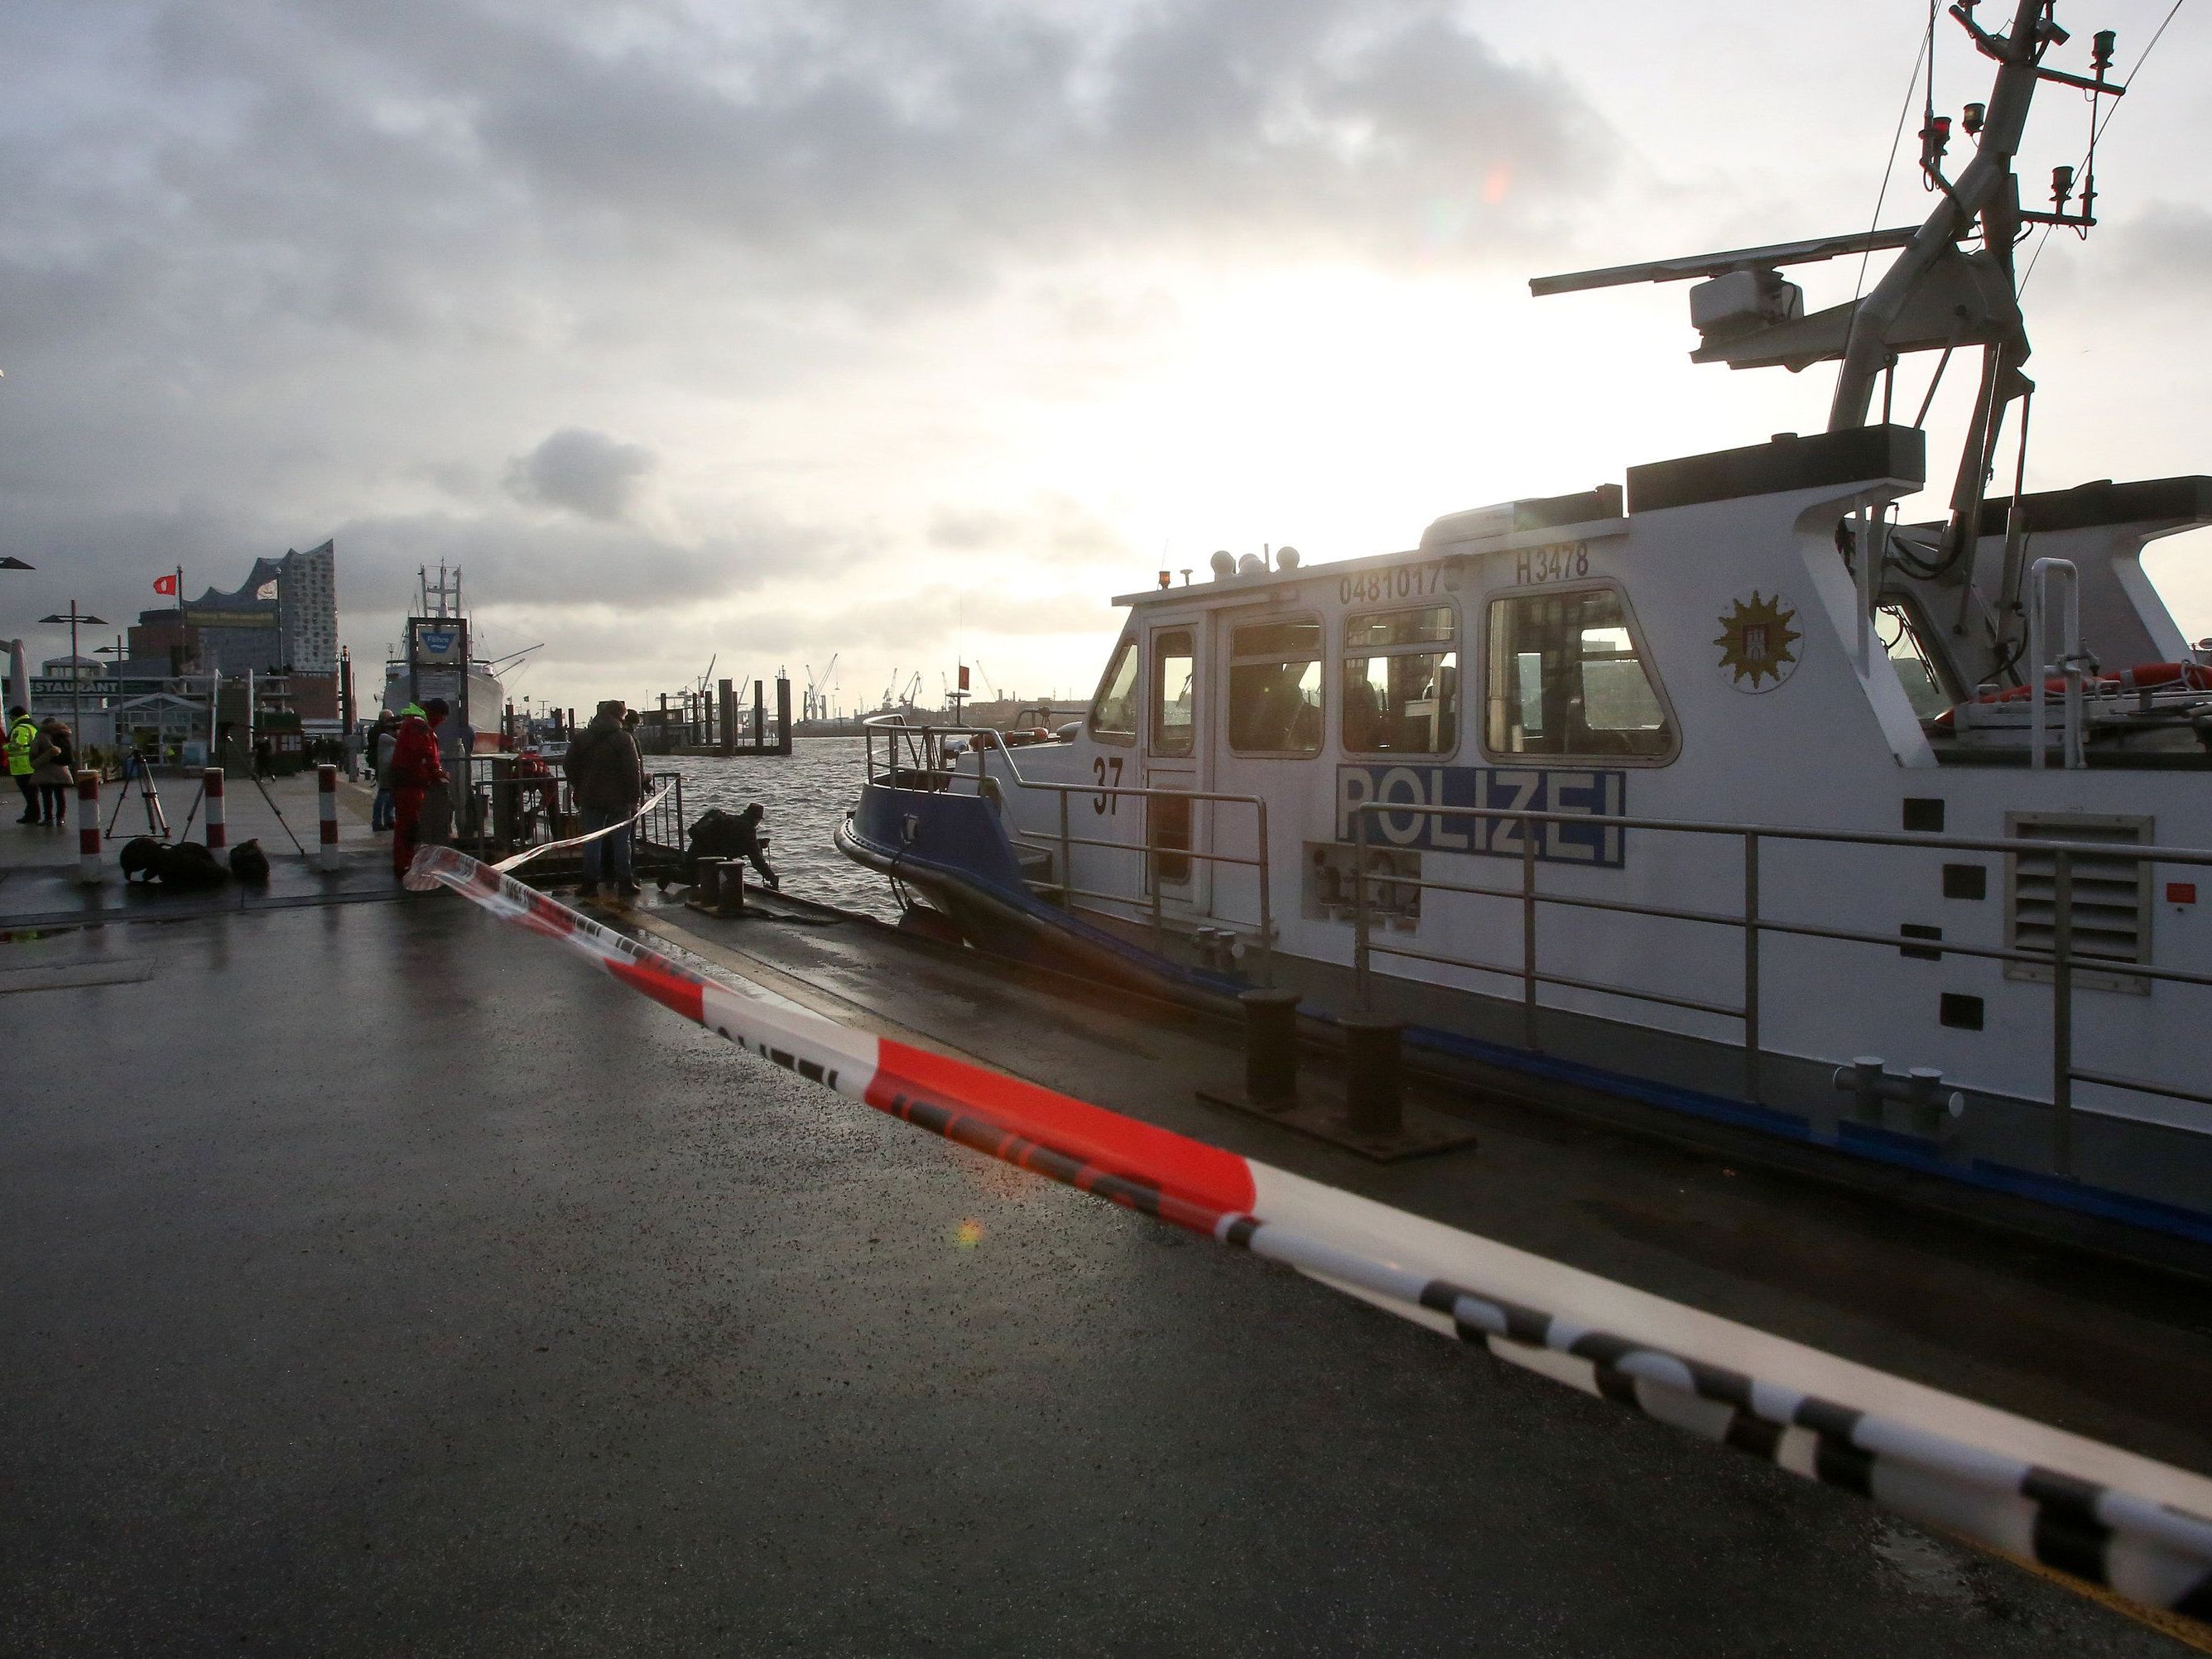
(1270, 1046)
(707, 885)
(1930, 1110)
(719, 888)
(88, 828)
(326, 798)
(1372, 1104)
(212, 782)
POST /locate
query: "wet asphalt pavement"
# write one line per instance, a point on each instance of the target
(379, 1280)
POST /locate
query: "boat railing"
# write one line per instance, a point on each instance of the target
(505, 809)
(934, 768)
(2063, 961)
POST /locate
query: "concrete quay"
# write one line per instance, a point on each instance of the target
(380, 1279)
(40, 886)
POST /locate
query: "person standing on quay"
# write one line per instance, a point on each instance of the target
(608, 775)
(415, 767)
(22, 738)
(53, 768)
(379, 748)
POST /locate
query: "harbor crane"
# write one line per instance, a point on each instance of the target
(816, 706)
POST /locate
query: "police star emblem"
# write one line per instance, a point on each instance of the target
(1755, 638)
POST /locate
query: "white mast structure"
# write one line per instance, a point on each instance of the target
(1935, 297)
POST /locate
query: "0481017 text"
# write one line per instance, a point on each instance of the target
(1397, 581)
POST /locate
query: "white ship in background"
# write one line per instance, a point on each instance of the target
(438, 662)
(1725, 793)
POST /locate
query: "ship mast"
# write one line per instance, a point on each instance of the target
(1987, 190)
(445, 593)
(1934, 297)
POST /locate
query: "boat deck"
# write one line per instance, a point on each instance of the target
(383, 1280)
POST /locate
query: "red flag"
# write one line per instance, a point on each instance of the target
(963, 677)
(166, 584)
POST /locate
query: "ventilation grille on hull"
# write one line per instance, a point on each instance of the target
(2111, 908)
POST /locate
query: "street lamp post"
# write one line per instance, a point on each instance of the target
(119, 651)
(76, 680)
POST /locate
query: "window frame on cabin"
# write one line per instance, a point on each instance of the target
(1914, 627)
(1237, 661)
(1158, 745)
(1126, 653)
(1449, 653)
(1501, 661)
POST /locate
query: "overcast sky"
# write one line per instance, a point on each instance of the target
(913, 329)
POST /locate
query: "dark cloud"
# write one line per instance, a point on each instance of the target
(442, 170)
(1052, 528)
(581, 472)
(112, 556)
(943, 134)
(274, 268)
(568, 564)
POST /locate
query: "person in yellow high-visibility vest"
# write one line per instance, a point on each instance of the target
(22, 735)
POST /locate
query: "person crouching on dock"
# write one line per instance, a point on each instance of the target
(415, 767)
(752, 842)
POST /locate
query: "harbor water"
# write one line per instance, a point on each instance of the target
(806, 795)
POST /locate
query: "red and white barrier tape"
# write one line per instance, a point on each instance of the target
(530, 852)
(2090, 1510)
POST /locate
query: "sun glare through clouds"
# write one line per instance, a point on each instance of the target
(933, 377)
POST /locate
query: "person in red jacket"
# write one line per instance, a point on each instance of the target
(415, 767)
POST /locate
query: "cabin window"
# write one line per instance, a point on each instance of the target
(1275, 688)
(1114, 710)
(1915, 663)
(1401, 681)
(1566, 677)
(1174, 713)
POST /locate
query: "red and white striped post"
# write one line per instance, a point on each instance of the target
(88, 828)
(326, 798)
(218, 836)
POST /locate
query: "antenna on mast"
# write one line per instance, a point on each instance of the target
(1937, 294)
